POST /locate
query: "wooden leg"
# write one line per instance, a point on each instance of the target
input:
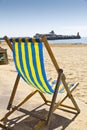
(4, 127)
(70, 95)
(43, 97)
(54, 97)
(13, 92)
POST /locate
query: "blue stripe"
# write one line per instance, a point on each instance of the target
(14, 57)
(21, 61)
(43, 69)
(20, 57)
(35, 65)
(28, 65)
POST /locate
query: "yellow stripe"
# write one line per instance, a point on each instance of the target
(32, 67)
(61, 86)
(24, 63)
(17, 58)
(39, 67)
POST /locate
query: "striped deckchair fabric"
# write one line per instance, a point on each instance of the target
(29, 62)
(61, 86)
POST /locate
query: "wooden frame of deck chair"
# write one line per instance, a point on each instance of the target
(61, 77)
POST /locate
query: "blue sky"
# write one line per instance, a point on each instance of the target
(28, 17)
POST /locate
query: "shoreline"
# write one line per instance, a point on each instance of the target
(59, 44)
(67, 44)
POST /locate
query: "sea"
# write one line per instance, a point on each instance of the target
(82, 40)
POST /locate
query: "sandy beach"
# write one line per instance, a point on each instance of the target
(72, 58)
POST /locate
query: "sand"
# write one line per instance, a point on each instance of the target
(72, 58)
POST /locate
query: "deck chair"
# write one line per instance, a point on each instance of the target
(29, 62)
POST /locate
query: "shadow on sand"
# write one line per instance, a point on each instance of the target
(27, 122)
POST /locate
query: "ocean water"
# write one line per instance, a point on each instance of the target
(82, 40)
